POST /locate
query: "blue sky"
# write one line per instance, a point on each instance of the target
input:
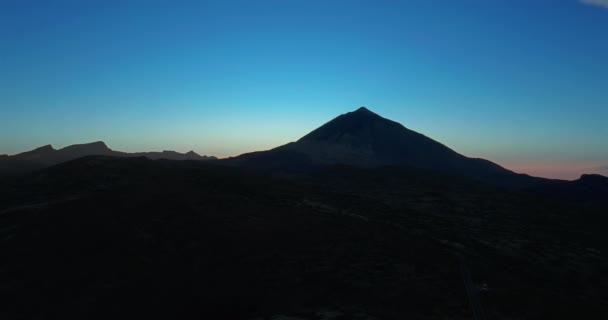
(520, 82)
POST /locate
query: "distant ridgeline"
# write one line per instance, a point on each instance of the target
(358, 139)
(46, 156)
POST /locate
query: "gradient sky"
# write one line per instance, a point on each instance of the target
(520, 82)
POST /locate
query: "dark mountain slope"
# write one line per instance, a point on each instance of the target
(363, 138)
(589, 188)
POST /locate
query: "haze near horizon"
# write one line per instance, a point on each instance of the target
(518, 83)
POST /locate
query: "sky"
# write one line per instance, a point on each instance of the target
(523, 83)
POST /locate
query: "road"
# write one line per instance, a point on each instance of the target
(472, 291)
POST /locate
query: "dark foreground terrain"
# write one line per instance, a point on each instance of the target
(102, 237)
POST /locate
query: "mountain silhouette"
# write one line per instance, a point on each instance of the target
(363, 138)
(589, 187)
(360, 138)
(46, 156)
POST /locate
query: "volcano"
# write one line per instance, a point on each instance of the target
(362, 138)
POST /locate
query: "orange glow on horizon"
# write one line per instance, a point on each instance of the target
(553, 170)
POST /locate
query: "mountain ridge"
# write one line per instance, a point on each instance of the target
(359, 138)
(46, 155)
(364, 138)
